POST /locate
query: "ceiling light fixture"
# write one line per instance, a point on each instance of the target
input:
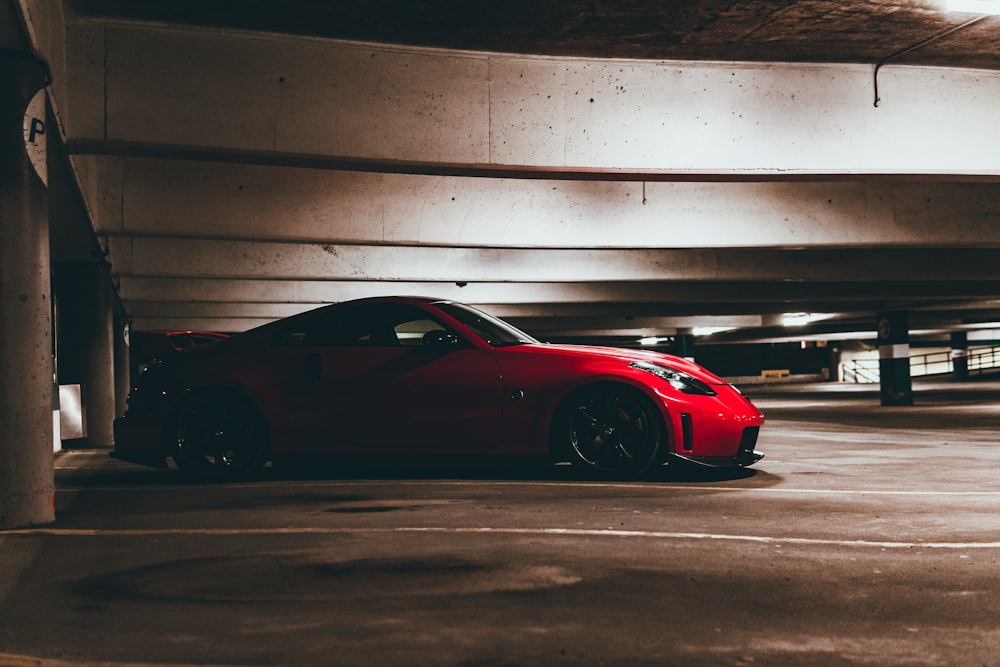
(802, 319)
(974, 6)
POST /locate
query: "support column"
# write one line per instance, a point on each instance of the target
(894, 358)
(834, 356)
(123, 368)
(26, 432)
(101, 390)
(86, 347)
(684, 344)
(959, 356)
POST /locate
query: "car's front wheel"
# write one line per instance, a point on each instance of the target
(609, 430)
(219, 436)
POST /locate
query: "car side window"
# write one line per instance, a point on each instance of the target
(366, 325)
(379, 325)
(301, 334)
(412, 332)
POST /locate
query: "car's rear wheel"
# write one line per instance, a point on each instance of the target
(610, 430)
(219, 436)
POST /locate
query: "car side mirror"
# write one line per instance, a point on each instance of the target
(440, 338)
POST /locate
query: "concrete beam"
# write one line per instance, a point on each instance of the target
(541, 327)
(266, 93)
(539, 318)
(165, 258)
(542, 298)
(227, 310)
(593, 320)
(198, 199)
(181, 323)
(615, 325)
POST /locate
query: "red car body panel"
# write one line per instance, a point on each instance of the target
(473, 397)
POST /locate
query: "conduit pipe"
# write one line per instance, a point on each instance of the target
(918, 45)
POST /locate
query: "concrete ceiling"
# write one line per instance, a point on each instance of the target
(817, 31)
(219, 208)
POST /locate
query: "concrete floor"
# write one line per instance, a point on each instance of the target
(868, 536)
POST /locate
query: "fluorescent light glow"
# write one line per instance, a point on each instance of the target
(974, 6)
(708, 331)
(652, 340)
(802, 319)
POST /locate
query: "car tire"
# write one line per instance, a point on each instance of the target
(609, 431)
(219, 436)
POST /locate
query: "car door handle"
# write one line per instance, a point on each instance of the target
(314, 366)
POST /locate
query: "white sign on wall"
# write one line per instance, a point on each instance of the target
(34, 135)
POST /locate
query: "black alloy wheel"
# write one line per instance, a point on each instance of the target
(612, 431)
(219, 437)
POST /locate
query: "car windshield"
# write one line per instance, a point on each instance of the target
(494, 331)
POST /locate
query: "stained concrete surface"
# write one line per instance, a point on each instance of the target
(868, 536)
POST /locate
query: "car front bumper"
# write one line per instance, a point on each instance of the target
(719, 430)
(745, 456)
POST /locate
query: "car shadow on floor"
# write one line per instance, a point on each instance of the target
(111, 472)
(485, 469)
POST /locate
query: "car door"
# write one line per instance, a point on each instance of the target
(392, 377)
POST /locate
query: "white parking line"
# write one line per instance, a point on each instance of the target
(569, 532)
(690, 486)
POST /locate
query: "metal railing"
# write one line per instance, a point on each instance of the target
(932, 363)
(859, 371)
(984, 359)
(980, 360)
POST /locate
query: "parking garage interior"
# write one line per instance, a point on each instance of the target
(802, 196)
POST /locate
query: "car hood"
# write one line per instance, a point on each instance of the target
(630, 355)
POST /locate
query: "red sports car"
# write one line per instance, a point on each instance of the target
(399, 376)
(147, 346)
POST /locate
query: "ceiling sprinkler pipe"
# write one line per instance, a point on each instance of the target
(918, 45)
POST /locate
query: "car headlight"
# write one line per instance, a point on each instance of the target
(679, 380)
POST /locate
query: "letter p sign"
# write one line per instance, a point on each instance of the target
(34, 135)
(37, 128)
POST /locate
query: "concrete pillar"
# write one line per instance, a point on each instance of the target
(26, 431)
(101, 391)
(123, 374)
(86, 346)
(835, 356)
(894, 358)
(684, 344)
(959, 356)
